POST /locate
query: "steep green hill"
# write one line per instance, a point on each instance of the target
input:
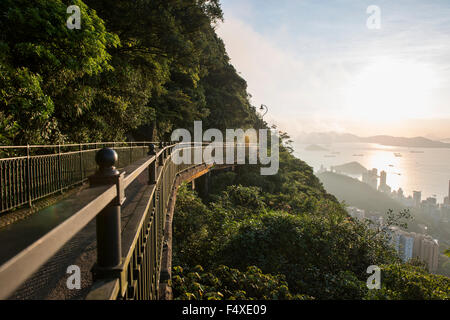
(357, 193)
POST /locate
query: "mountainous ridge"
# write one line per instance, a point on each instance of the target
(386, 140)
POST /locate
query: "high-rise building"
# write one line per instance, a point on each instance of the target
(383, 187)
(415, 245)
(447, 201)
(400, 193)
(417, 196)
(403, 242)
(382, 178)
(430, 253)
(432, 201)
(371, 178)
(449, 189)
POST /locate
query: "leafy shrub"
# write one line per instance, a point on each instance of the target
(406, 282)
(309, 250)
(224, 283)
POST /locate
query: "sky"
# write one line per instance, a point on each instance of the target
(319, 67)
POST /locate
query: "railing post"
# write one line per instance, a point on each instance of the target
(60, 169)
(152, 168)
(81, 162)
(109, 244)
(29, 176)
(131, 152)
(161, 156)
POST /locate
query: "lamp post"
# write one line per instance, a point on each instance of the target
(263, 108)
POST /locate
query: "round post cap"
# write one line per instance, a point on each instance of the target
(106, 159)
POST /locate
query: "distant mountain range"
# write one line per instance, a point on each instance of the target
(334, 137)
(315, 147)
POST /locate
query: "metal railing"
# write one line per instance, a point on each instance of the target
(136, 276)
(128, 261)
(42, 170)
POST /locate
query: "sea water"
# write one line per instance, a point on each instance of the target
(412, 169)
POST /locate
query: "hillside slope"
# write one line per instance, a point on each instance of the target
(357, 193)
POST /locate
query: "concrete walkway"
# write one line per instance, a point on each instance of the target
(49, 282)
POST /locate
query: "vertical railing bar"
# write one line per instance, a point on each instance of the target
(14, 191)
(81, 162)
(54, 173)
(60, 173)
(14, 169)
(1, 186)
(131, 152)
(46, 166)
(30, 181)
(21, 182)
(39, 181)
(41, 177)
(9, 180)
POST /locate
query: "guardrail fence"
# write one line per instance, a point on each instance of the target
(47, 169)
(129, 260)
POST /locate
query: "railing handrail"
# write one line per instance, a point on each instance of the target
(73, 144)
(81, 209)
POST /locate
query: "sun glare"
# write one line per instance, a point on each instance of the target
(391, 90)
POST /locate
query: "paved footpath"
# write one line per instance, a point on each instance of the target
(49, 282)
(23, 213)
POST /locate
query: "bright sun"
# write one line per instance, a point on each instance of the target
(391, 90)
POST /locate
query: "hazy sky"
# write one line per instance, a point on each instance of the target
(318, 67)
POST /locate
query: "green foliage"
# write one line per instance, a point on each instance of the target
(447, 253)
(399, 219)
(316, 253)
(293, 189)
(322, 255)
(25, 109)
(225, 283)
(406, 282)
(44, 64)
(135, 68)
(444, 266)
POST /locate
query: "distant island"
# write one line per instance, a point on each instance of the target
(353, 168)
(417, 142)
(334, 137)
(315, 147)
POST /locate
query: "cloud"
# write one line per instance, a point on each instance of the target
(288, 84)
(304, 76)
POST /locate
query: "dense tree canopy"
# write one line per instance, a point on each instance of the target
(134, 66)
(314, 246)
(45, 67)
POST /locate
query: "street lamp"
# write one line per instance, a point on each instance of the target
(262, 108)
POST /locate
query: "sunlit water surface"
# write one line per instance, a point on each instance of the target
(428, 172)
